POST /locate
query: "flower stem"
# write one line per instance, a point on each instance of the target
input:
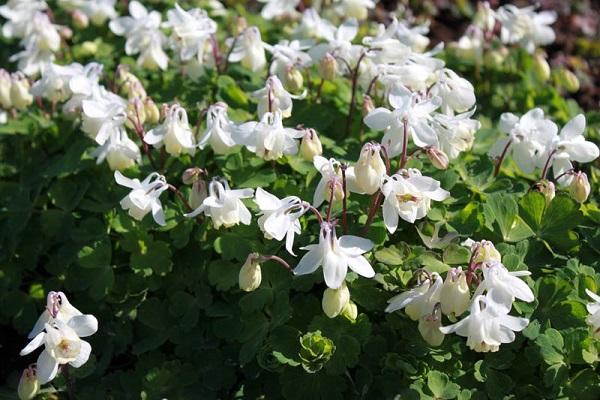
(344, 201)
(547, 164)
(501, 158)
(332, 189)
(404, 157)
(353, 96)
(375, 202)
(278, 260)
(226, 61)
(181, 197)
(139, 130)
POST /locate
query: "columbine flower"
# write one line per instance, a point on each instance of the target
(339, 44)
(384, 47)
(336, 255)
(455, 295)
(408, 195)
(5, 84)
(406, 110)
(456, 133)
(143, 36)
(20, 96)
(570, 145)
(19, 15)
(279, 8)
(370, 168)
(335, 300)
(249, 49)
(457, 93)
(104, 113)
(57, 307)
(331, 180)
(414, 37)
(288, 55)
(28, 384)
(119, 151)
(526, 27)
(593, 320)
(488, 325)
(419, 301)
(313, 26)
(62, 345)
(429, 327)
(144, 196)
(98, 11)
(191, 31)
(175, 133)
(268, 138)
(279, 218)
(224, 205)
(580, 187)
(82, 86)
(219, 129)
(506, 285)
(274, 97)
(310, 145)
(358, 9)
(483, 251)
(54, 83)
(528, 138)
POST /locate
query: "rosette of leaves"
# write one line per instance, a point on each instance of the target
(316, 351)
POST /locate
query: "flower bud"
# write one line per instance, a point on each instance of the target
(240, 25)
(370, 168)
(80, 20)
(541, 68)
(354, 9)
(151, 111)
(250, 274)
(28, 385)
(350, 311)
(191, 175)
(546, 188)
(438, 158)
(136, 112)
(65, 32)
(486, 252)
(580, 187)
(198, 193)
(455, 296)
(335, 300)
(484, 17)
(328, 67)
(89, 48)
(19, 91)
(5, 84)
(367, 105)
(310, 145)
(568, 80)
(293, 80)
(429, 327)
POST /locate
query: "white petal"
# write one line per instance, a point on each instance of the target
(84, 325)
(335, 268)
(39, 325)
(46, 367)
(124, 181)
(157, 213)
(361, 266)
(354, 245)
(83, 356)
(310, 261)
(379, 119)
(36, 342)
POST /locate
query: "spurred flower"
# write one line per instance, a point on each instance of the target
(144, 196)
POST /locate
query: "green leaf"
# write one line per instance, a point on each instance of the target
(96, 255)
(156, 257)
(551, 346)
(440, 385)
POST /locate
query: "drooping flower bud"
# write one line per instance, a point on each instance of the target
(429, 327)
(367, 105)
(293, 80)
(151, 111)
(250, 274)
(546, 188)
(486, 252)
(328, 67)
(19, 91)
(191, 175)
(310, 146)
(80, 20)
(484, 17)
(350, 311)
(370, 168)
(130, 83)
(568, 80)
(438, 158)
(455, 296)
(541, 68)
(28, 384)
(580, 187)
(198, 194)
(240, 25)
(5, 84)
(135, 112)
(335, 300)
(89, 48)
(65, 32)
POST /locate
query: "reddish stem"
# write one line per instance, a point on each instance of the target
(501, 158)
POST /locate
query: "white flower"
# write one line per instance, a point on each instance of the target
(570, 145)
(471, 45)
(98, 11)
(483, 251)
(384, 47)
(414, 37)
(28, 384)
(268, 138)
(288, 55)
(506, 285)
(417, 116)
(57, 307)
(82, 86)
(279, 8)
(528, 138)
(224, 205)
(416, 71)
(408, 195)
(219, 129)
(457, 93)
(249, 49)
(119, 151)
(336, 255)
(455, 296)
(313, 26)
(191, 30)
(335, 300)
(19, 15)
(55, 83)
(593, 320)
(274, 97)
(144, 196)
(143, 36)
(332, 180)
(488, 325)
(485, 17)
(455, 133)
(429, 327)
(339, 44)
(174, 133)
(358, 9)
(419, 301)
(526, 27)
(20, 97)
(104, 114)
(370, 168)
(5, 84)
(579, 187)
(310, 145)
(62, 345)
(279, 218)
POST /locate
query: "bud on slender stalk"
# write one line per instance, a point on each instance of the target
(580, 187)
(151, 111)
(19, 91)
(546, 188)
(136, 112)
(293, 80)
(80, 20)
(455, 296)
(541, 68)
(367, 105)
(328, 67)
(429, 327)
(310, 146)
(65, 32)
(487, 252)
(250, 274)
(370, 168)
(438, 158)
(28, 385)
(198, 194)
(335, 300)
(191, 175)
